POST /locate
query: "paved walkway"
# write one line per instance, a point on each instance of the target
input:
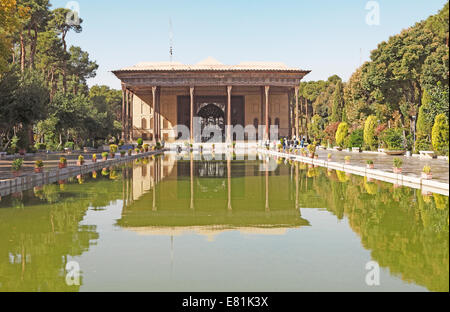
(411, 165)
(50, 162)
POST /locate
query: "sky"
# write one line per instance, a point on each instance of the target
(325, 36)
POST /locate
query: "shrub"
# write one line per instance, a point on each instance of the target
(17, 164)
(81, 158)
(356, 138)
(330, 131)
(439, 134)
(38, 164)
(121, 143)
(105, 155)
(69, 145)
(341, 134)
(63, 160)
(94, 156)
(40, 146)
(426, 169)
(369, 162)
(398, 162)
(140, 141)
(113, 148)
(122, 153)
(158, 145)
(130, 151)
(370, 125)
(347, 158)
(393, 139)
(423, 145)
(311, 148)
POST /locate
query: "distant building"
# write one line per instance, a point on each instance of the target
(159, 96)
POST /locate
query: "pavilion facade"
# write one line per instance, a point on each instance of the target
(159, 96)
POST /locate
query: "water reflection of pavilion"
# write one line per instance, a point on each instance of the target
(171, 197)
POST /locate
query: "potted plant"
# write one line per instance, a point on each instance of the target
(38, 166)
(62, 163)
(80, 161)
(146, 146)
(16, 166)
(122, 153)
(136, 150)
(398, 163)
(347, 160)
(94, 158)
(113, 150)
(370, 164)
(234, 145)
(139, 142)
(105, 156)
(312, 150)
(213, 147)
(329, 156)
(130, 151)
(426, 173)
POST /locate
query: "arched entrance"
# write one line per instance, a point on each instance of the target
(213, 117)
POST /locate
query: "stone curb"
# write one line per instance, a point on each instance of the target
(36, 179)
(394, 178)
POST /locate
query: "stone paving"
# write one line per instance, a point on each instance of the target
(50, 162)
(411, 165)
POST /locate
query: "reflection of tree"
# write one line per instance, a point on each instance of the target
(36, 241)
(406, 231)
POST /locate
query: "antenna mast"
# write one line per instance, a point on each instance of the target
(171, 40)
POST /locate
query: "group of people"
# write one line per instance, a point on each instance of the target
(294, 142)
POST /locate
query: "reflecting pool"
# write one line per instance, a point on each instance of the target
(162, 224)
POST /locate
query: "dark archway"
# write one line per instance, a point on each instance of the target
(211, 116)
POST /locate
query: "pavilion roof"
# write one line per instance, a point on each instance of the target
(210, 64)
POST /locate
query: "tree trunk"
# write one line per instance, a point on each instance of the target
(64, 69)
(33, 46)
(22, 52)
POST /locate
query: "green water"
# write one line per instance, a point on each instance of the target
(166, 225)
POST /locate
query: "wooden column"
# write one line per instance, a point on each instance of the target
(266, 93)
(296, 112)
(131, 117)
(158, 114)
(127, 114)
(228, 126)
(191, 127)
(290, 111)
(124, 116)
(154, 121)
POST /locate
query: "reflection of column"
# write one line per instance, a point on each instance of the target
(267, 186)
(266, 133)
(191, 127)
(192, 181)
(155, 168)
(229, 181)
(296, 186)
(229, 139)
(296, 112)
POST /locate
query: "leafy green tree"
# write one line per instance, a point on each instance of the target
(440, 134)
(338, 103)
(341, 134)
(369, 132)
